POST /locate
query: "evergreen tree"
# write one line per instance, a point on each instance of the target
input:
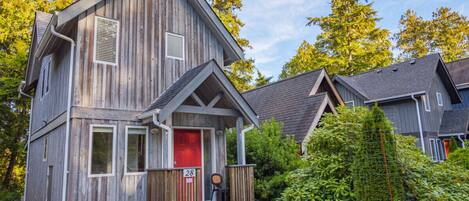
(453, 145)
(447, 33)
(240, 72)
(375, 168)
(16, 19)
(350, 42)
(262, 80)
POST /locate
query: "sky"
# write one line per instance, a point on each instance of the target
(275, 28)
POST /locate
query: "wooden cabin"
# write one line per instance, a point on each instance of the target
(130, 102)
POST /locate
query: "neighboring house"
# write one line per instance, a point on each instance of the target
(459, 71)
(130, 102)
(417, 96)
(298, 102)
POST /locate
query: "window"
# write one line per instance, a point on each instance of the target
(50, 171)
(439, 99)
(45, 74)
(174, 46)
(106, 40)
(433, 152)
(441, 150)
(350, 104)
(102, 153)
(426, 103)
(44, 154)
(136, 149)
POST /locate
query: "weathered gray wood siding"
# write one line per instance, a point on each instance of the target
(37, 179)
(143, 72)
(403, 115)
(116, 187)
(464, 93)
(432, 120)
(54, 102)
(348, 95)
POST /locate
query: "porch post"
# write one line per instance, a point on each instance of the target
(240, 141)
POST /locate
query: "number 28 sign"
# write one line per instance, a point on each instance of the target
(189, 172)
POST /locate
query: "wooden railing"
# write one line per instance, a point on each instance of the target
(240, 182)
(172, 185)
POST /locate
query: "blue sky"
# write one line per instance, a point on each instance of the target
(276, 28)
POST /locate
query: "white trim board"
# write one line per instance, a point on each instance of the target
(147, 151)
(114, 148)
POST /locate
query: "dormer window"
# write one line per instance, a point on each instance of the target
(106, 40)
(174, 46)
(439, 99)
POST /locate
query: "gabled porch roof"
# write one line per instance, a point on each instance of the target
(205, 82)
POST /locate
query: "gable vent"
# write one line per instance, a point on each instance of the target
(105, 40)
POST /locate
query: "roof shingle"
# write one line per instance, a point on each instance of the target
(459, 71)
(455, 121)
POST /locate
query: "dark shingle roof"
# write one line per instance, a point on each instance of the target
(455, 121)
(395, 80)
(42, 20)
(288, 101)
(175, 88)
(459, 71)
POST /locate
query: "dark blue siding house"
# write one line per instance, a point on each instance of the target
(459, 70)
(417, 96)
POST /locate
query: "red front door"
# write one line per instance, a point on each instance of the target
(187, 148)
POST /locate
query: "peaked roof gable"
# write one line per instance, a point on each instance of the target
(294, 102)
(177, 93)
(459, 71)
(400, 80)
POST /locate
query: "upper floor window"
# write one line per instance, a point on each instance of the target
(44, 153)
(102, 150)
(174, 46)
(135, 150)
(106, 36)
(45, 75)
(426, 103)
(439, 98)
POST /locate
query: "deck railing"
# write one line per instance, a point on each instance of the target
(240, 181)
(186, 184)
(174, 185)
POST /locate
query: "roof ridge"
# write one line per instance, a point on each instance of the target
(279, 81)
(458, 60)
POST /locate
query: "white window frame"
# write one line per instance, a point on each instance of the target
(126, 149)
(439, 99)
(90, 149)
(45, 150)
(441, 153)
(45, 76)
(94, 41)
(426, 103)
(183, 46)
(433, 155)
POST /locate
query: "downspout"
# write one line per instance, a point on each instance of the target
(419, 122)
(29, 136)
(462, 141)
(243, 146)
(69, 107)
(168, 133)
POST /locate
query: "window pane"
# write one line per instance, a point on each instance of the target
(175, 46)
(106, 40)
(136, 150)
(101, 157)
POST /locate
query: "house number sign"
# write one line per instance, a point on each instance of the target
(189, 172)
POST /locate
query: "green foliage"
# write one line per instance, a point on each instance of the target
(453, 145)
(447, 33)
(375, 168)
(329, 156)
(460, 158)
(274, 155)
(350, 42)
(262, 80)
(425, 180)
(16, 19)
(240, 72)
